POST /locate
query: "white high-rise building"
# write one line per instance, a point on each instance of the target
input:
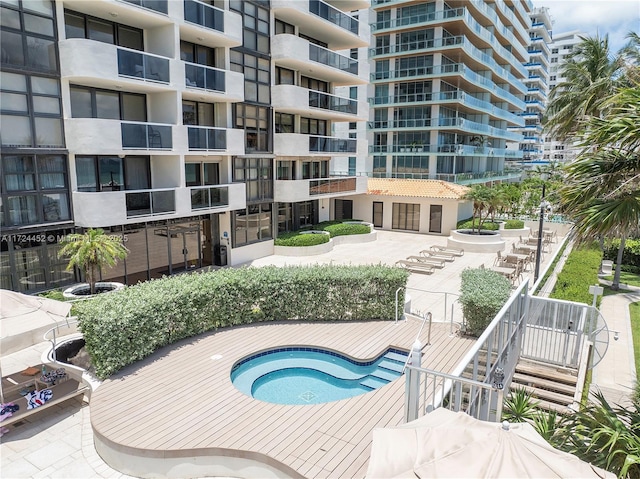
(561, 46)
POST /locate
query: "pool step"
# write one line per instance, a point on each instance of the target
(401, 358)
(391, 365)
(384, 374)
(373, 382)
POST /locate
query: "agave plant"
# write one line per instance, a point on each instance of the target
(519, 406)
(546, 423)
(604, 435)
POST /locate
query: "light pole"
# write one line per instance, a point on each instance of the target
(544, 177)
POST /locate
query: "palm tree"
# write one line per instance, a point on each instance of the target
(602, 188)
(481, 196)
(91, 252)
(591, 73)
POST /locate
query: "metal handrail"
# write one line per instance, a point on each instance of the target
(53, 330)
(424, 318)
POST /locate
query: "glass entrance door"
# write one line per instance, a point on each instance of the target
(377, 214)
(184, 248)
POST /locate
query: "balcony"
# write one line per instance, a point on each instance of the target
(479, 178)
(115, 137)
(212, 84)
(448, 150)
(296, 144)
(299, 54)
(159, 6)
(146, 136)
(226, 141)
(111, 67)
(110, 208)
(291, 191)
(204, 23)
(320, 20)
(302, 101)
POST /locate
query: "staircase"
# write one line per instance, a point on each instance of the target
(552, 387)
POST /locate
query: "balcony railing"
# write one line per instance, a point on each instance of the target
(204, 15)
(209, 197)
(150, 202)
(206, 138)
(325, 101)
(332, 59)
(332, 145)
(208, 78)
(405, 123)
(471, 178)
(132, 63)
(156, 5)
(417, 19)
(335, 16)
(146, 136)
(331, 185)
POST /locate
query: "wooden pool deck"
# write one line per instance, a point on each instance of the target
(180, 402)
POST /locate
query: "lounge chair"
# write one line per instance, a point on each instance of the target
(415, 266)
(430, 254)
(446, 249)
(440, 263)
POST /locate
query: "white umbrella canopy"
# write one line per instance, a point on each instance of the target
(446, 444)
(31, 308)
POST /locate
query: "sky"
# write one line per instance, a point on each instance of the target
(615, 17)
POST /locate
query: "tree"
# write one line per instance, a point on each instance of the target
(481, 196)
(603, 184)
(91, 252)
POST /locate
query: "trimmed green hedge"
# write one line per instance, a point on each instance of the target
(298, 239)
(483, 293)
(123, 327)
(579, 272)
(513, 224)
(344, 229)
(468, 224)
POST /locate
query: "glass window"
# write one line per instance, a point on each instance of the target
(49, 132)
(19, 173)
(52, 172)
(74, 25)
(55, 207)
(111, 173)
(14, 102)
(44, 7)
(134, 107)
(42, 53)
(86, 173)
(211, 174)
(45, 86)
(192, 174)
(12, 52)
(13, 82)
(284, 76)
(46, 105)
(37, 24)
(20, 132)
(10, 18)
(130, 38)
(137, 173)
(107, 105)
(80, 103)
(21, 210)
(100, 31)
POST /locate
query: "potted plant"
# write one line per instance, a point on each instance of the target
(91, 252)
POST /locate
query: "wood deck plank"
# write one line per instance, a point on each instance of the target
(194, 404)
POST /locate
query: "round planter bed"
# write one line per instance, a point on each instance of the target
(485, 242)
(326, 247)
(81, 291)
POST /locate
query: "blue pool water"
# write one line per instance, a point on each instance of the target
(313, 376)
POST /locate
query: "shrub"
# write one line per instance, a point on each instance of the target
(300, 239)
(483, 293)
(123, 327)
(630, 256)
(343, 229)
(579, 272)
(467, 225)
(513, 225)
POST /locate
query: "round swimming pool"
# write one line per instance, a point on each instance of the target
(297, 375)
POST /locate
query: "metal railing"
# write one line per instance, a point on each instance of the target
(136, 64)
(209, 197)
(150, 202)
(155, 5)
(204, 15)
(327, 57)
(207, 138)
(208, 78)
(331, 144)
(335, 16)
(326, 101)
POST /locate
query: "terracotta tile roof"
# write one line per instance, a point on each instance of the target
(416, 188)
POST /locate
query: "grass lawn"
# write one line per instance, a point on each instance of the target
(627, 278)
(634, 312)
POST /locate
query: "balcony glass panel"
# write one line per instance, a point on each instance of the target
(332, 185)
(330, 102)
(156, 5)
(199, 76)
(329, 144)
(204, 15)
(334, 15)
(141, 65)
(145, 203)
(145, 136)
(163, 202)
(201, 138)
(209, 197)
(332, 59)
